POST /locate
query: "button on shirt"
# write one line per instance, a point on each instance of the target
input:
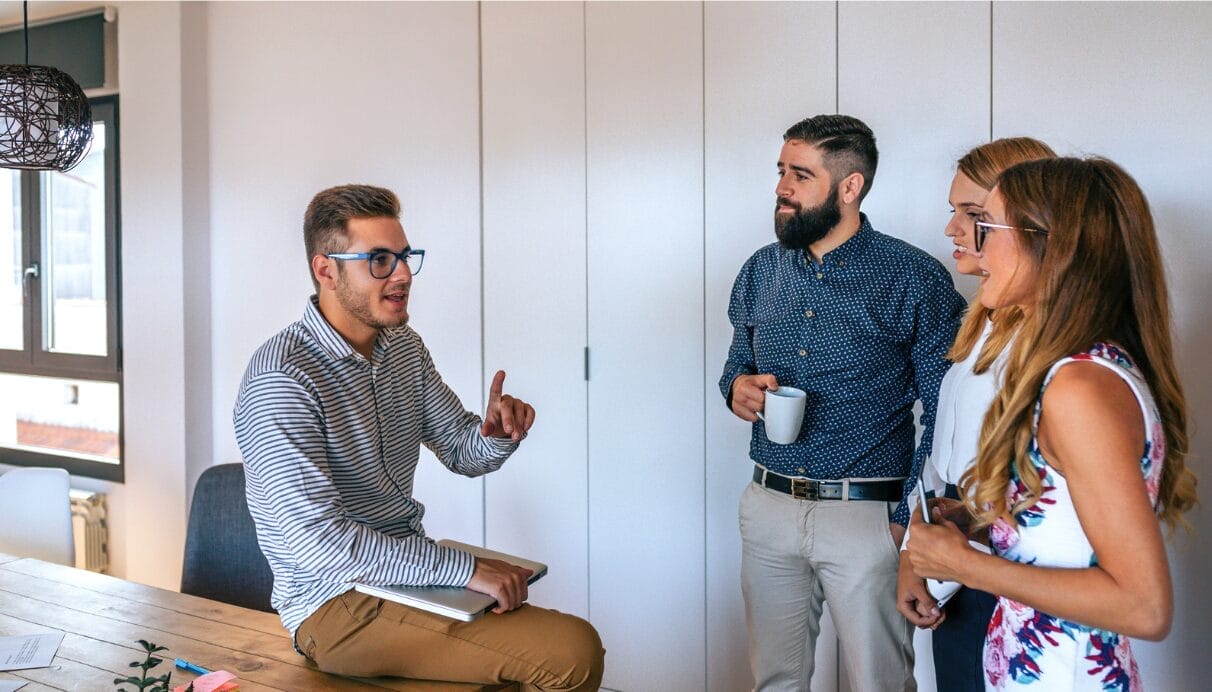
(331, 442)
(864, 333)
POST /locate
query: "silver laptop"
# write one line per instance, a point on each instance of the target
(455, 602)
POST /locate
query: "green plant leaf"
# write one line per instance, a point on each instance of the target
(146, 683)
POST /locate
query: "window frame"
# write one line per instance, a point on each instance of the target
(34, 359)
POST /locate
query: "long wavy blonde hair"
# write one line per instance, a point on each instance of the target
(1099, 277)
(982, 165)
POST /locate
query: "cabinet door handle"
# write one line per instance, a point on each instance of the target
(31, 270)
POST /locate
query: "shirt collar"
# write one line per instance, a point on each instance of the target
(330, 341)
(854, 246)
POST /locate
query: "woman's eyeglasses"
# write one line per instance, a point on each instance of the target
(983, 227)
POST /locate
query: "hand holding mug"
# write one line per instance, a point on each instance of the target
(781, 409)
(749, 395)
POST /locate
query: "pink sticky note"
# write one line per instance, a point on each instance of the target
(217, 681)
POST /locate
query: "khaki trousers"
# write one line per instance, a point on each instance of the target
(360, 635)
(796, 556)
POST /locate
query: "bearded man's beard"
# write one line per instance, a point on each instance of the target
(806, 226)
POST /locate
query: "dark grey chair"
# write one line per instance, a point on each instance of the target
(222, 558)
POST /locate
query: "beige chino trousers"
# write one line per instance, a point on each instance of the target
(360, 635)
(797, 556)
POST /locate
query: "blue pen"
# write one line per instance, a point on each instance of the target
(186, 665)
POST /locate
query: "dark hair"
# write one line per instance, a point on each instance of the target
(326, 221)
(847, 143)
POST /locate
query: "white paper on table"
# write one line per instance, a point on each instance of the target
(29, 651)
(11, 685)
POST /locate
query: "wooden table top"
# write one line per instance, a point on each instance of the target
(103, 617)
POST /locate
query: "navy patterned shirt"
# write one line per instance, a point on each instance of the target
(864, 333)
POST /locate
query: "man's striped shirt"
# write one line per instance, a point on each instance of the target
(330, 443)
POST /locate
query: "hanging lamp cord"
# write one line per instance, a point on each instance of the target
(25, 13)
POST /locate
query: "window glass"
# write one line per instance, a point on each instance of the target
(60, 355)
(73, 216)
(75, 418)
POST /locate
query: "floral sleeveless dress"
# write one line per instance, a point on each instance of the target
(1030, 650)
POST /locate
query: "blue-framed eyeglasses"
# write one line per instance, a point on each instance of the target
(383, 263)
(983, 228)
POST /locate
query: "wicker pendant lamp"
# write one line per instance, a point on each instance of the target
(45, 120)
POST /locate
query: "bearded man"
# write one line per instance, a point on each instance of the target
(861, 322)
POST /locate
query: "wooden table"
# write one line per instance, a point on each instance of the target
(103, 617)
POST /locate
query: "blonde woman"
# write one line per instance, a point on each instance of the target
(966, 392)
(1084, 447)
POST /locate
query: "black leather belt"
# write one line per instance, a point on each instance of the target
(808, 489)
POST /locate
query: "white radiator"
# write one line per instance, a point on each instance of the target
(89, 530)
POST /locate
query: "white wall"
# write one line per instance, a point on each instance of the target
(196, 248)
(593, 175)
(147, 513)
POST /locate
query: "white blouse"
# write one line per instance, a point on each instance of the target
(963, 399)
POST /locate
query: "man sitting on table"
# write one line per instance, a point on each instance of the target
(330, 418)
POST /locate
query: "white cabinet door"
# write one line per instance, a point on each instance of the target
(767, 66)
(295, 108)
(534, 277)
(644, 82)
(918, 74)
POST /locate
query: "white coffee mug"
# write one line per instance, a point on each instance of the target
(784, 414)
